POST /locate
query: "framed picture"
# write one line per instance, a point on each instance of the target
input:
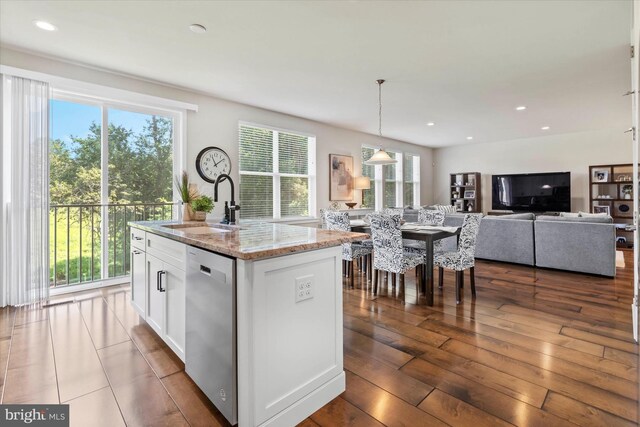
(602, 209)
(470, 194)
(459, 204)
(600, 175)
(340, 177)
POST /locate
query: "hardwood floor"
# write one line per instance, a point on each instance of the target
(535, 348)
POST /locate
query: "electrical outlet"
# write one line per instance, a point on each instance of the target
(304, 288)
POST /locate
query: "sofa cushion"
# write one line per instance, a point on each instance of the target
(599, 220)
(528, 216)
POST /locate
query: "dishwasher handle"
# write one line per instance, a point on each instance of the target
(205, 270)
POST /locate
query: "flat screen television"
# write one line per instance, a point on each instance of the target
(532, 192)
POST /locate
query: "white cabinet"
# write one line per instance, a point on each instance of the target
(173, 283)
(155, 306)
(158, 286)
(138, 281)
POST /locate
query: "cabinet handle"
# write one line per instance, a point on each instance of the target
(137, 252)
(158, 280)
(161, 273)
(134, 237)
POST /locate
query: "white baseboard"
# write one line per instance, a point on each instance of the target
(309, 404)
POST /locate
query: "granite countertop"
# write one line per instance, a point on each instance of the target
(250, 240)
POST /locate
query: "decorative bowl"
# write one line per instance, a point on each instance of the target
(351, 205)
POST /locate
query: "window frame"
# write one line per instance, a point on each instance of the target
(379, 180)
(178, 154)
(277, 175)
(415, 178)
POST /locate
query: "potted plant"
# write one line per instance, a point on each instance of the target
(188, 193)
(201, 206)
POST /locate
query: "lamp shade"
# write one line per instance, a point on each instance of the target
(380, 157)
(363, 183)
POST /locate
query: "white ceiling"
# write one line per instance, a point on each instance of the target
(465, 65)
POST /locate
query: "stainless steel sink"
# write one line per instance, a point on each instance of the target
(205, 228)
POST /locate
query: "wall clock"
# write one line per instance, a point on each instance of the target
(211, 163)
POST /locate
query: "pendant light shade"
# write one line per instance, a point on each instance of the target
(380, 157)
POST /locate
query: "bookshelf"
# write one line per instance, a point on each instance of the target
(610, 191)
(466, 191)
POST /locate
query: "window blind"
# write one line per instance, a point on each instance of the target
(275, 173)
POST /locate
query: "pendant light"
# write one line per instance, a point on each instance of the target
(380, 157)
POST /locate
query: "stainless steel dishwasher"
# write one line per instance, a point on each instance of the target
(211, 328)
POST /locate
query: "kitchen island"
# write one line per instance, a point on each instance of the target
(254, 311)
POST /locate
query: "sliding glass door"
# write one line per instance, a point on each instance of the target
(108, 166)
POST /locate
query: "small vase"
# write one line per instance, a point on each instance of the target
(199, 216)
(187, 212)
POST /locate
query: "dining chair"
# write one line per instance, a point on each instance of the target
(463, 258)
(426, 217)
(323, 220)
(388, 252)
(336, 220)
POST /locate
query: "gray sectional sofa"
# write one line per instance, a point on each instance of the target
(586, 245)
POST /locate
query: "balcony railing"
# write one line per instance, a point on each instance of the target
(81, 242)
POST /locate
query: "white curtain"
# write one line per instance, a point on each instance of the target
(25, 191)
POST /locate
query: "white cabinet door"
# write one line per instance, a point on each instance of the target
(138, 281)
(155, 305)
(174, 284)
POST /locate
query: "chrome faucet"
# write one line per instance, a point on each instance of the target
(232, 204)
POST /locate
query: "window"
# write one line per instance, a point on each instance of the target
(277, 173)
(368, 196)
(411, 180)
(393, 182)
(391, 185)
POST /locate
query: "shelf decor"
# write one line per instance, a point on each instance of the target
(611, 192)
(466, 191)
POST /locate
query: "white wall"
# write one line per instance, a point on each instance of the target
(216, 123)
(572, 152)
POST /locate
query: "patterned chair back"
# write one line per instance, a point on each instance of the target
(469, 235)
(431, 217)
(387, 242)
(393, 211)
(336, 220)
(323, 218)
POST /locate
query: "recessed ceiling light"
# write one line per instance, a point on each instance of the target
(521, 108)
(44, 25)
(545, 128)
(198, 29)
(469, 137)
(431, 124)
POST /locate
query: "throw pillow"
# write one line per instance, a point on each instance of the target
(570, 214)
(446, 208)
(592, 215)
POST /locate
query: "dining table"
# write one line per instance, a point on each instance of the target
(425, 233)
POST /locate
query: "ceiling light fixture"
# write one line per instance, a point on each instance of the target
(469, 138)
(431, 124)
(198, 29)
(545, 128)
(380, 157)
(44, 25)
(521, 108)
